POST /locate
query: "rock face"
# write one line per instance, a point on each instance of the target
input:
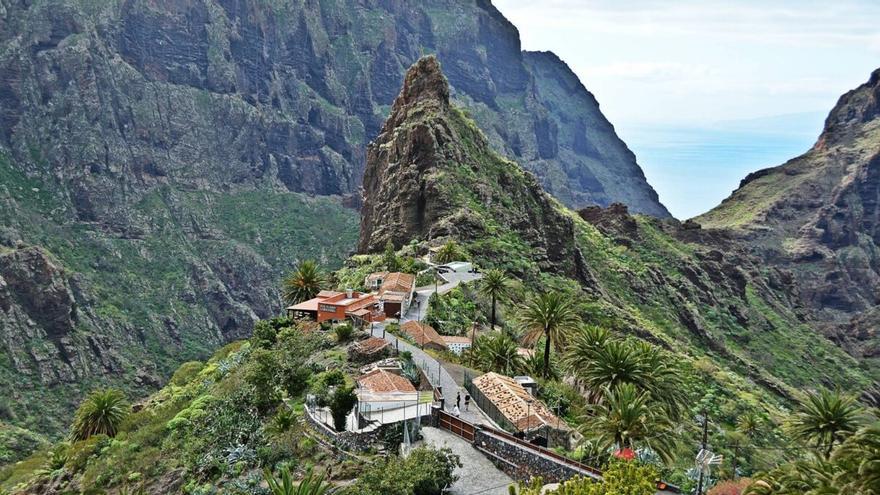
(819, 216)
(432, 175)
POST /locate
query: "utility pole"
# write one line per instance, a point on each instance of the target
(735, 455)
(703, 447)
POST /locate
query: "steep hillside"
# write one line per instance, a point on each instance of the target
(160, 154)
(431, 177)
(819, 217)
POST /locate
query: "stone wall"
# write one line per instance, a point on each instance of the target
(522, 462)
(347, 440)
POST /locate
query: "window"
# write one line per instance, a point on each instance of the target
(327, 308)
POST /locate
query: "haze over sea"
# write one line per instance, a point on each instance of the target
(691, 167)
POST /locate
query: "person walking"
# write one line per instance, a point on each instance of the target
(458, 399)
(467, 401)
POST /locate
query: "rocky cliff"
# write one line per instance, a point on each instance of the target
(431, 175)
(818, 216)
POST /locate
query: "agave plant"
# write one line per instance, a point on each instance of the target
(311, 484)
(101, 413)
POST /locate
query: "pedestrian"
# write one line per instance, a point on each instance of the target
(458, 399)
(467, 401)
(456, 411)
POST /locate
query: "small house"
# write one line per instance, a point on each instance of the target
(424, 335)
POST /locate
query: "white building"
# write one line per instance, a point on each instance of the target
(457, 344)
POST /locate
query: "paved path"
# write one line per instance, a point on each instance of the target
(431, 368)
(477, 475)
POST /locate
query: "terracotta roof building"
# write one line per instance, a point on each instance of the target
(380, 381)
(423, 334)
(394, 289)
(339, 306)
(509, 404)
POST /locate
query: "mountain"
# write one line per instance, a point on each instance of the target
(163, 163)
(818, 217)
(431, 177)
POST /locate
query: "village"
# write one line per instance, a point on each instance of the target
(496, 423)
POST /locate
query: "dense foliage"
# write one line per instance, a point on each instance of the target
(423, 472)
(619, 478)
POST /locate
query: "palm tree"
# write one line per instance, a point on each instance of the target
(303, 283)
(750, 425)
(101, 413)
(627, 419)
(859, 456)
(551, 315)
(825, 419)
(310, 484)
(449, 252)
(495, 352)
(494, 286)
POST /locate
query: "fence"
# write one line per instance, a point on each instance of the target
(455, 425)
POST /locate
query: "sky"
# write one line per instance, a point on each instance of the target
(706, 91)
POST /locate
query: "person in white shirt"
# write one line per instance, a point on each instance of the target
(456, 411)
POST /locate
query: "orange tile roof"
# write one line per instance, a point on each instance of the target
(381, 381)
(397, 282)
(515, 403)
(422, 333)
(312, 304)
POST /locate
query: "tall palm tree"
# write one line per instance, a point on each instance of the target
(101, 413)
(627, 419)
(303, 283)
(826, 418)
(310, 485)
(494, 285)
(551, 315)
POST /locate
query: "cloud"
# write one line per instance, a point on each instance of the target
(799, 23)
(656, 72)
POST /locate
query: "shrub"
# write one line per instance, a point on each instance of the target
(100, 413)
(261, 374)
(736, 487)
(343, 332)
(186, 372)
(425, 472)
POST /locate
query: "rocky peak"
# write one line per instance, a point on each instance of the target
(423, 81)
(853, 110)
(431, 175)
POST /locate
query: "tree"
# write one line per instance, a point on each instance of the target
(750, 424)
(627, 419)
(495, 352)
(551, 315)
(599, 362)
(310, 484)
(389, 257)
(449, 252)
(100, 413)
(341, 403)
(859, 458)
(824, 419)
(303, 283)
(494, 285)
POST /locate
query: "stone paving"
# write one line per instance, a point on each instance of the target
(477, 474)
